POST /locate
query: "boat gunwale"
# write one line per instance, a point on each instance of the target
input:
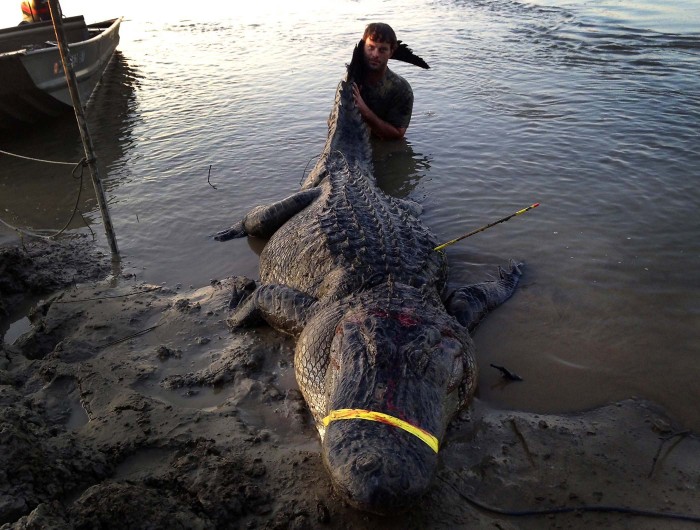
(78, 44)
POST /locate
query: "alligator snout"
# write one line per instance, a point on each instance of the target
(377, 467)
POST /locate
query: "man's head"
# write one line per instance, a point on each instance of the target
(380, 32)
(380, 43)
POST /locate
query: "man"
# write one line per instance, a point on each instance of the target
(384, 99)
(35, 11)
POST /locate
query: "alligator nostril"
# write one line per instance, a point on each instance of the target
(366, 463)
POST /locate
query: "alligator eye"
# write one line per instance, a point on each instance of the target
(420, 359)
(454, 349)
(380, 392)
(417, 356)
(456, 375)
(420, 351)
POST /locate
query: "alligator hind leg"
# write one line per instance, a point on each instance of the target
(469, 304)
(284, 308)
(263, 221)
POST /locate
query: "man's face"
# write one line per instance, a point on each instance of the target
(377, 54)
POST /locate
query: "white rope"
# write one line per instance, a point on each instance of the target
(24, 231)
(37, 159)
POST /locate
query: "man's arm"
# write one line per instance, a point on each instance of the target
(379, 127)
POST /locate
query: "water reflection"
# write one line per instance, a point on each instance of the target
(256, 244)
(41, 197)
(113, 110)
(397, 167)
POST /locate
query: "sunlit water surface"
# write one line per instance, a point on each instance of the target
(591, 108)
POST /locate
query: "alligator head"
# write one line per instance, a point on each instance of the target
(395, 374)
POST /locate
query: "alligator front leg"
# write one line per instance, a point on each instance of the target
(282, 307)
(263, 221)
(469, 304)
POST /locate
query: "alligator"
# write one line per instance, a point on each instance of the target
(383, 354)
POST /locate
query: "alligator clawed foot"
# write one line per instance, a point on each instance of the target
(516, 269)
(236, 231)
(241, 289)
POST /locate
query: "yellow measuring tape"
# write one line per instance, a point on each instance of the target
(360, 414)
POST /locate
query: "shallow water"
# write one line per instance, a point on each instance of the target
(591, 108)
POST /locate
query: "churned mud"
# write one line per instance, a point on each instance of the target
(129, 405)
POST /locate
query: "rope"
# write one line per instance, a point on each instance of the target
(37, 159)
(321, 156)
(124, 339)
(303, 175)
(81, 165)
(106, 297)
(570, 509)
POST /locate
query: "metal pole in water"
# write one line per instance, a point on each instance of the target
(56, 17)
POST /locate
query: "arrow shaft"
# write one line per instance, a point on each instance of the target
(485, 227)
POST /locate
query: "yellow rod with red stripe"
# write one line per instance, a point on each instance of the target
(453, 241)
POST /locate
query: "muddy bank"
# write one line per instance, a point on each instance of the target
(38, 268)
(132, 406)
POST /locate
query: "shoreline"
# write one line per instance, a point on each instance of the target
(132, 405)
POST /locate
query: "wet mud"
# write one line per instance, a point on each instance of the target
(128, 405)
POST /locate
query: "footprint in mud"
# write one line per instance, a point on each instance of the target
(62, 403)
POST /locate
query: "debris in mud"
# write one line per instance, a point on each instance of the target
(164, 353)
(185, 306)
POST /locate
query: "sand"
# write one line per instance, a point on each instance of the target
(129, 405)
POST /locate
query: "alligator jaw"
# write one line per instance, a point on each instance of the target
(376, 467)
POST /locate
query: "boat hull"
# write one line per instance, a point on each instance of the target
(34, 85)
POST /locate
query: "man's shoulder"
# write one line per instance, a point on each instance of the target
(397, 81)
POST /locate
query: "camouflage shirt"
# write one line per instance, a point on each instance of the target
(391, 99)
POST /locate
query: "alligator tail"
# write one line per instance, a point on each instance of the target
(405, 54)
(356, 68)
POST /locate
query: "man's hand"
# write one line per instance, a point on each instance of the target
(359, 102)
(382, 129)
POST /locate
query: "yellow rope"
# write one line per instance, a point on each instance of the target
(360, 414)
